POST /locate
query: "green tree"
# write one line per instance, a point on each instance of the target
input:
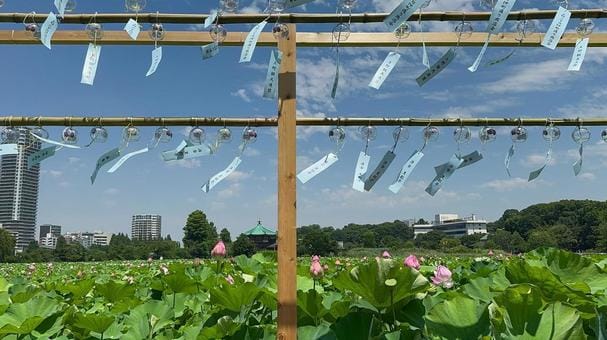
(243, 246)
(225, 236)
(471, 241)
(541, 238)
(505, 240)
(7, 245)
(121, 248)
(317, 241)
(430, 240)
(368, 239)
(564, 237)
(601, 237)
(200, 235)
(450, 242)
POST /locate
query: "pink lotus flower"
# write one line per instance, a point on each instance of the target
(386, 255)
(316, 268)
(442, 277)
(219, 249)
(412, 262)
(490, 252)
(230, 279)
(337, 262)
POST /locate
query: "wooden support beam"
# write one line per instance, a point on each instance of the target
(301, 121)
(299, 18)
(304, 39)
(287, 189)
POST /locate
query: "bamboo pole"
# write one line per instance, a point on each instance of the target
(301, 121)
(287, 188)
(304, 39)
(299, 18)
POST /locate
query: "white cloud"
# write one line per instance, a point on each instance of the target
(517, 183)
(111, 191)
(587, 176)
(542, 76)
(242, 94)
(185, 163)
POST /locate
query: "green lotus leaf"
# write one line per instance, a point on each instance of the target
(460, 317)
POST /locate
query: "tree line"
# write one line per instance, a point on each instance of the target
(576, 225)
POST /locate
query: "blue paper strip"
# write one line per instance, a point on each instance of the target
(189, 152)
(406, 171)
(126, 158)
(557, 28)
(222, 175)
(579, 53)
(295, 3)
(103, 160)
(210, 50)
(384, 70)
(402, 13)
(443, 172)
(156, 59)
(251, 42)
(470, 159)
(271, 86)
(89, 70)
(49, 27)
(316, 168)
(535, 174)
(60, 5)
(425, 59)
(380, 170)
(9, 149)
(440, 65)
(577, 166)
(508, 158)
(335, 82)
(40, 155)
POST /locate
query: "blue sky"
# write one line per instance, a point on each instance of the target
(533, 83)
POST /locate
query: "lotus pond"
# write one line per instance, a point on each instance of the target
(545, 294)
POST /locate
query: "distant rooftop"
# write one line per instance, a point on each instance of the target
(260, 230)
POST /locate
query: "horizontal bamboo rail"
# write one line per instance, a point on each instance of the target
(301, 121)
(304, 39)
(298, 18)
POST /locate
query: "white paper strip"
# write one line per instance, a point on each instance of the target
(156, 59)
(380, 170)
(210, 50)
(499, 15)
(9, 149)
(40, 155)
(222, 175)
(361, 169)
(480, 56)
(557, 28)
(443, 172)
(251, 42)
(402, 13)
(89, 70)
(579, 53)
(132, 28)
(210, 19)
(425, 59)
(103, 160)
(406, 171)
(316, 168)
(186, 153)
(535, 174)
(60, 5)
(271, 86)
(435, 69)
(49, 141)
(384, 70)
(126, 158)
(48, 29)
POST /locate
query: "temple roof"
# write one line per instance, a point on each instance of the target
(260, 230)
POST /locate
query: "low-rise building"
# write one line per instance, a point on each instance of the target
(453, 225)
(49, 241)
(262, 237)
(87, 239)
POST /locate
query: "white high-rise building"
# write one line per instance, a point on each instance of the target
(19, 191)
(146, 227)
(48, 241)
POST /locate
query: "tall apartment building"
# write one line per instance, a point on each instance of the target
(19, 191)
(146, 227)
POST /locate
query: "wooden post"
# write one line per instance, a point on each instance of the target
(287, 189)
